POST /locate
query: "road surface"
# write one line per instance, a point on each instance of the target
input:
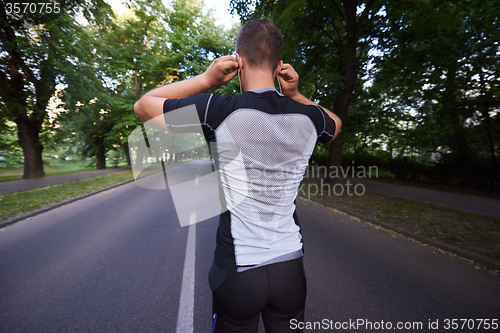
(116, 262)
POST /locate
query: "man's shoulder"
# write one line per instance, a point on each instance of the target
(268, 101)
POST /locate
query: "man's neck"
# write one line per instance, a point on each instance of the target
(257, 79)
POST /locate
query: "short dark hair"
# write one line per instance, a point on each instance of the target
(260, 42)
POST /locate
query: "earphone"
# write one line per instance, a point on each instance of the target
(239, 80)
(241, 91)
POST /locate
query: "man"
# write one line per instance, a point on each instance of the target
(263, 141)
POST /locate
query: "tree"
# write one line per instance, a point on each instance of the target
(139, 37)
(327, 42)
(128, 54)
(87, 119)
(441, 59)
(35, 55)
(196, 39)
(156, 46)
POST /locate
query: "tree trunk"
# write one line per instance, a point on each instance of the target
(335, 157)
(32, 148)
(127, 153)
(136, 81)
(101, 156)
(485, 108)
(348, 69)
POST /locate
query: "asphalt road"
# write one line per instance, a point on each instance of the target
(114, 262)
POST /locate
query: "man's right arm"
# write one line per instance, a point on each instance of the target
(150, 106)
(289, 80)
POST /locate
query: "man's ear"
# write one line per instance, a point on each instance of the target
(240, 61)
(278, 69)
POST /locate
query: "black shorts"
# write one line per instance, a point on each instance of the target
(277, 291)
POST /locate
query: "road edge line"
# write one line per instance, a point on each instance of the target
(32, 213)
(185, 316)
(464, 254)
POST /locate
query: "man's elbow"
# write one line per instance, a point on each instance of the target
(338, 127)
(138, 111)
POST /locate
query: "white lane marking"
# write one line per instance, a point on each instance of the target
(185, 317)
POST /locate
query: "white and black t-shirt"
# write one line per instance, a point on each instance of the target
(261, 142)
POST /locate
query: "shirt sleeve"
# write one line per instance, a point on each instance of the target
(186, 114)
(326, 135)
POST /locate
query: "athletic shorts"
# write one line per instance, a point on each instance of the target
(277, 291)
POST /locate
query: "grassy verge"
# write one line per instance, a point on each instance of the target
(464, 230)
(8, 174)
(12, 204)
(19, 176)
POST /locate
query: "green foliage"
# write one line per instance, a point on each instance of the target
(421, 90)
(54, 167)
(196, 40)
(10, 152)
(144, 47)
(36, 52)
(102, 66)
(438, 67)
(428, 109)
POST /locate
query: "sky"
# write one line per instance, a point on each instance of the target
(222, 15)
(221, 7)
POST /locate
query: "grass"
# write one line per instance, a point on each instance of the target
(8, 174)
(18, 176)
(12, 204)
(465, 230)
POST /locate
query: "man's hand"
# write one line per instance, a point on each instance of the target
(289, 80)
(221, 71)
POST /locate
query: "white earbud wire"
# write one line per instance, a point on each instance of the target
(279, 84)
(241, 91)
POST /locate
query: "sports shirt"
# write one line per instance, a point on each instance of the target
(261, 143)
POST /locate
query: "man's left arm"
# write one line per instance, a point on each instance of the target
(289, 81)
(221, 71)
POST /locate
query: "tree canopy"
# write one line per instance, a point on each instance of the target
(416, 83)
(102, 62)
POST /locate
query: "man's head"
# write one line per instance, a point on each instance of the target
(259, 41)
